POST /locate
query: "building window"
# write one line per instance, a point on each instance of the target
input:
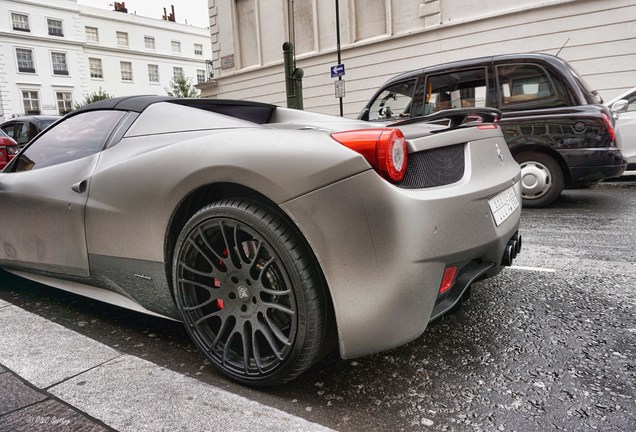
(20, 22)
(177, 72)
(60, 66)
(176, 47)
(153, 73)
(25, 60)
(126, 71)
(198, 49)
(370, 16)
(149, 41)
(200, 76)
(64, 102)
(95, 66)
(91, 34)
(55, 27)
(122, 39)
(246, 29)
(31, 101)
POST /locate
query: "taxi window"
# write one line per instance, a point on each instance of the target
(524, 84)
(393, 102)
(457, 89)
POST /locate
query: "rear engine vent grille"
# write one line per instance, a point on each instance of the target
(436, 167)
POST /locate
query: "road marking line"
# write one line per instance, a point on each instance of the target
(537, 269)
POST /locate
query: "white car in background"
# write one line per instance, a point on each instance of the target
(624, 109)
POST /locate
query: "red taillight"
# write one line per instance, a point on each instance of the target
(487, 126)
(384, 149)
(610, 127)
(448, 280)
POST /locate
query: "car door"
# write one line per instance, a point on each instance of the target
(44, 192)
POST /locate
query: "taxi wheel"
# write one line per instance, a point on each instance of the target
(541, 179)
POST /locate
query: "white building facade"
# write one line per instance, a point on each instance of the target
(54, 53)
(381, 38)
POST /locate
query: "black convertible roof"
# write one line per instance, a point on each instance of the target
(255, 112)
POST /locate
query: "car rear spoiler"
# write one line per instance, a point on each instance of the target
(455, 118)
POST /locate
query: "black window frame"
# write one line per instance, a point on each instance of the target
(59, 33)
(26, 29)
(32, 69)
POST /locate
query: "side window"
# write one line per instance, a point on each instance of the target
(76, 137)
(22, 133)
(9, 129)
(524, 83)
(457, 89)
(393, 102)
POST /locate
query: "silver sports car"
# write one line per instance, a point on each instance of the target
(275, 235)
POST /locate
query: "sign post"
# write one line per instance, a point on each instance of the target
(338, 50)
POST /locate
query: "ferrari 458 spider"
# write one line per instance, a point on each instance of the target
(275, 235)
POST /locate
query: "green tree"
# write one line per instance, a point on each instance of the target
(181, 86)
(93, 97)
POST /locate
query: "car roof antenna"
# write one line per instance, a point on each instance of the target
(561, 49)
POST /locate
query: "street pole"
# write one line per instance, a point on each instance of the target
(338, 46)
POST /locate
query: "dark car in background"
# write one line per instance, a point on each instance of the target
(554, 124)
(24, 129)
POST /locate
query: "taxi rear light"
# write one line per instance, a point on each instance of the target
(610, 127)
(384, 149)
(450, 273)
(487, 126)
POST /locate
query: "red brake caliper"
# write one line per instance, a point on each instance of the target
(217, 283)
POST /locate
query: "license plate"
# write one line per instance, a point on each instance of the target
(503, 205)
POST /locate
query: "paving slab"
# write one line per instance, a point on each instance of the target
(2, 370)
(16, 394)
(48, 416)
(132, 394)
(43, 352)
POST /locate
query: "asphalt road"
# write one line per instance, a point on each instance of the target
(549, 344)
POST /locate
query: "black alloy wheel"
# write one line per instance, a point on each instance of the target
(249, 292)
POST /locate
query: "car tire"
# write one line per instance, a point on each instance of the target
(541, 179)
(249, 292)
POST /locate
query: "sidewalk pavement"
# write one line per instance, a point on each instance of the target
(54, 379)
(26, 408)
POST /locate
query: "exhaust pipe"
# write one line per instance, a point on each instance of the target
(512, 249)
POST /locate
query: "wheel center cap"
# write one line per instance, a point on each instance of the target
(242, 292)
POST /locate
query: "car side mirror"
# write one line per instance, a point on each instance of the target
(364, 115)
(619, 106)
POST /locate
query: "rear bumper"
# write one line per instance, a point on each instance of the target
(588, 166)
(383, 250)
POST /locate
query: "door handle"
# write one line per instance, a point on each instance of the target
(80, 187)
